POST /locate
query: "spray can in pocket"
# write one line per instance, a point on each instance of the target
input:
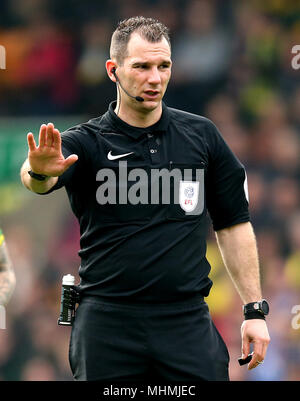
(69, 297)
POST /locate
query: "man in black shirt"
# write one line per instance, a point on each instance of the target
(140, 180)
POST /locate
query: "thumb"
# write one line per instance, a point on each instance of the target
(70, 160)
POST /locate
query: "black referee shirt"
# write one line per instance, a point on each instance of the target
(152, 247)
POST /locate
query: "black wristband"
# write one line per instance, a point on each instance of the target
(39, 177)
(254, 315)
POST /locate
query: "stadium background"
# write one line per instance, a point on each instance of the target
(232, 63)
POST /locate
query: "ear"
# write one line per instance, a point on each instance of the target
(110, 68)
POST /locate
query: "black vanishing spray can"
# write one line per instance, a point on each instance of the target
(67, 301)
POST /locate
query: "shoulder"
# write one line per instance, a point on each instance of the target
(82, 135)
(84, 129)
(190, 119)
(196, 127)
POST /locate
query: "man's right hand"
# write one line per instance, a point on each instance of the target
(47, 158)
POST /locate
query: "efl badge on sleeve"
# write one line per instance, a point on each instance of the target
(188, 195)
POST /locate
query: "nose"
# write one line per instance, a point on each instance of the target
(154, 77)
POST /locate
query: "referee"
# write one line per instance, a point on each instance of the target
(141, 179)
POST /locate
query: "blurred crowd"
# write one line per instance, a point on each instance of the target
(232, 64)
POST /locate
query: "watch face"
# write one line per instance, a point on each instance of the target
(265, 307)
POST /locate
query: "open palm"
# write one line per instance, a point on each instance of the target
(47, 158)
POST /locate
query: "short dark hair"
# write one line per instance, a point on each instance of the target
(148, 28)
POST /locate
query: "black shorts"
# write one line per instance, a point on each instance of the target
(172, 342)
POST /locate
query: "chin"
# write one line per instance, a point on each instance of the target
(151, 104)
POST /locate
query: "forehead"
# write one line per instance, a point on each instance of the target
(140, 49)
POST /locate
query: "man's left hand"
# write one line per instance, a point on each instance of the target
(255, 331)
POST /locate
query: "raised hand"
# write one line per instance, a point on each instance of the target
(47, 158)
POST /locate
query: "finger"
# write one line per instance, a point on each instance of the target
(69, 161)
(49, 138)
(256, 360)
(245, 348)
(42, 135)
(31, 142)
(255, 365)
(56, 139)
(261, 357)
(258, 355)
(265, 346)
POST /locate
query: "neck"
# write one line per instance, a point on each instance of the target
(138, 116)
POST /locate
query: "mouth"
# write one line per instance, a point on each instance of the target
(152, 94)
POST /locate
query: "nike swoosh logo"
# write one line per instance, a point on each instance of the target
(111, 157)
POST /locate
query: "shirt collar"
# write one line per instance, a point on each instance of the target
(160, 126)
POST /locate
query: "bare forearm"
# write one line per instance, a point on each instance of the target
(33, 184)
(239, 252)
(7, 276)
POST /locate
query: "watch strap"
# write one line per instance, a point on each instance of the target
(256, 310)
(39, 177)
(252, 307)
(254, 315)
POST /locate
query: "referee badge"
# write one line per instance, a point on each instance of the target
(188, 195)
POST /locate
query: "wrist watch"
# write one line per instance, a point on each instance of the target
(39, 177)
(258, 307)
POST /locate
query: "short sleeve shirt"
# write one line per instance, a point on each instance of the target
(143, 196)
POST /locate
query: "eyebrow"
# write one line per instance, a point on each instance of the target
(146, 63)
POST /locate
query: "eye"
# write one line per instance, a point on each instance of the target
(141, 66)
